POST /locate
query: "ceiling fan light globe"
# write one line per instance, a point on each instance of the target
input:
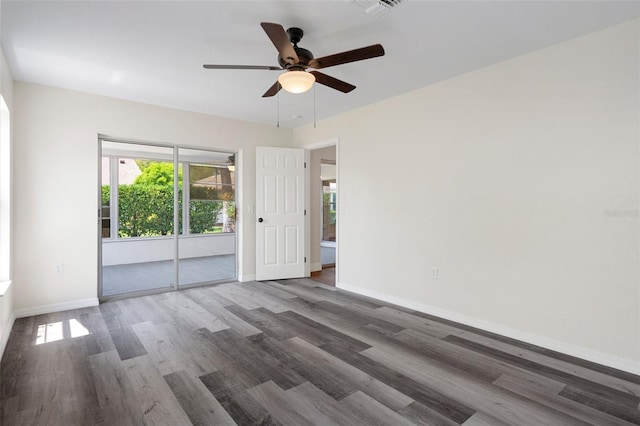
(296, 81)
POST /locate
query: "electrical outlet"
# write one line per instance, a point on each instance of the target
(58, 269)
(434, 273)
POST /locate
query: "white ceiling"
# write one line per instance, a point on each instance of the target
(153, 51)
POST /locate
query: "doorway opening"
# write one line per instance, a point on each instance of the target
(324, 213)
(328, 212)
(167, 218)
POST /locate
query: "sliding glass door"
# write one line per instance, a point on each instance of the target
(207, 243)
(167, 217)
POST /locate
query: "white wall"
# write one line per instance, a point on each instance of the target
(124, 251)
(317, 155)
(56, 180)
(6, 287)
(520, 182)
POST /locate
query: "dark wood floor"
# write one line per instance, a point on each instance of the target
(325, 275)
(293, 352)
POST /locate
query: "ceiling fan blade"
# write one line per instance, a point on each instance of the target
(332, 82)
(280, 40)
(349, 56)
(273, 90)
(241, 67)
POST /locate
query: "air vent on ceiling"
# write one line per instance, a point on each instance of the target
(377, 7)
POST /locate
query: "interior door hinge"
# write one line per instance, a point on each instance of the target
(305, 212)
(305, 260)
(305, 164)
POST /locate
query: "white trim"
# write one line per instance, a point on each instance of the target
(613, 361)
(4, 286)
(307, 213)
(56, 307)
(6, 193)
(340, 201)
(321, 144)
(176, 219)
(6, 333)
(246, 278)
(316, 267)
(242, 216)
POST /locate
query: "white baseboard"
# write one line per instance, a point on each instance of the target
(56, 307)
(245, 278)
(6, 333)
(619, 363)
(316, 267)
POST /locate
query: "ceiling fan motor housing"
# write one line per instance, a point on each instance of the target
(295, 35)
(303, 54)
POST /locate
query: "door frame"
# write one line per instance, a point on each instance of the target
(335, 141)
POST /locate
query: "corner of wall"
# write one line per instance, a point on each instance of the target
(7, 315)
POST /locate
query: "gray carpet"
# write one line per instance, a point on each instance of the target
(119, 279)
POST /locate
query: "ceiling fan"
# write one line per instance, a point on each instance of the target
(295, 60)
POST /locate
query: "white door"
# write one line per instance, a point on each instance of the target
(280, 212)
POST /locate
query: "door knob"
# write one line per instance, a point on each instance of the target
(260, 220)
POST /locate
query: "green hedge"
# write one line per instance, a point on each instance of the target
(147, 210)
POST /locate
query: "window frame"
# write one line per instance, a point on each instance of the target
(114, 213)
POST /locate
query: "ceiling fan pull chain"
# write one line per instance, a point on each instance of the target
(278, 102)
(314, 106)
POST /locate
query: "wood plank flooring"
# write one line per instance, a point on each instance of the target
(326, 275)
(294, 352)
